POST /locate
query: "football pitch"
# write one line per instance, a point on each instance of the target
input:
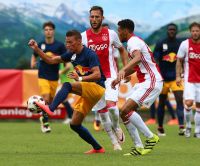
(22, 144)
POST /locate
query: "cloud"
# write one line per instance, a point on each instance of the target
(157, 15)
(195, 9)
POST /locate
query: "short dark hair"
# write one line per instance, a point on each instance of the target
(127, 24)
(97, 8)
(74, 33)
(194, 24)
(172, 24)
(50, 24)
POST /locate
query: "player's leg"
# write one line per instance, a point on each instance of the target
(107, 125)
(69, 111)
(111, 97)
(171, 112)
(97, 121)
(76, 125)
(180, 110)
(45, 91)
(189, 97)
(161, 114)
(197, 113)
(161, 108)
(152, 111)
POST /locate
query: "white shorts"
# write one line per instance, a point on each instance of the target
(144, 94)
(110, 94)
(191, 91)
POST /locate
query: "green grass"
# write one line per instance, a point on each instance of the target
(22, 143)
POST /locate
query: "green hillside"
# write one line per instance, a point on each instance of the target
(183, 32)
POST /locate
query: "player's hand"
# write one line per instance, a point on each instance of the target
(178, 81)
(127, 79)
(114, 83)
(73, 75)
(121, 75)
(33, 44)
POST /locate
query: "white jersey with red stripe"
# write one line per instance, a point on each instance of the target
(103, 43)
(150, 80)
(190, 52)
(147, 69)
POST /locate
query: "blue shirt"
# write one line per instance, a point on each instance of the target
(165, 54)
(83, 63)
(50, 71)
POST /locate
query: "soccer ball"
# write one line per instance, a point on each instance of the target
(31, 103)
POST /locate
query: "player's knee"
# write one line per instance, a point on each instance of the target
(67, 85)
(76, 128)
(188, 104)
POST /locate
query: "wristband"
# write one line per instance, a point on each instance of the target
(80, 78)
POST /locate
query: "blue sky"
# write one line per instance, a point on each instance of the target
(150, 12)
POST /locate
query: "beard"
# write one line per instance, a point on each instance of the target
(96, 26)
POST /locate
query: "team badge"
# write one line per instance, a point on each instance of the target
(43, 46)
(165, 47)
(73, 57)
(104, 37)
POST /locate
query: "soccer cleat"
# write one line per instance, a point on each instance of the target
(181, 131)
(45, 128)
(67, 121)
(197, 135)
(117, 147)
(120, 135)
(188, 132)
(45, 108)
(93, 151)
(161, 132)
(97, 125)
(172, 122)
(138, 151)
(151, 142)
(150, 121)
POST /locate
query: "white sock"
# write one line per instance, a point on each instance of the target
(188, 115)
(197, 120)
(96, 116)
(133, 132)
(137, 121)
(114, 114)
(107, 124)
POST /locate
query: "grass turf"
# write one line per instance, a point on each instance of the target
(22, 143)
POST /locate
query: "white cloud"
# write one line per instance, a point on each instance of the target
(157, 15)
(195, 9)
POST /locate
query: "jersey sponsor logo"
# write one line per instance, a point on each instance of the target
(98, 47)
(82, 70)
(49, 54)
(192, 55)
(43, 47)
(171, 57)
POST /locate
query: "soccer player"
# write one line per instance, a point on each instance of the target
(102, 40)
(144, 93)
(165, 54)
(189, 56)
(89, 84)
(48, 73)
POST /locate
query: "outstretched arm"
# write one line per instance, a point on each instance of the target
(50, 60)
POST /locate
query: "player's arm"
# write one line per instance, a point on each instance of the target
(94, 76)
(128, 69)
(50, 60)
(123, 55)
(179, 70)
(33, 61)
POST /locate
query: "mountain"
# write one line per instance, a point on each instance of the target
(18, 25)
(183, 29)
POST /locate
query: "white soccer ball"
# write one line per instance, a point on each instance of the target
(31, 103)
